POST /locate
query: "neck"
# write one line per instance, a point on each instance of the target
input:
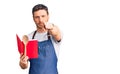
(41, 30)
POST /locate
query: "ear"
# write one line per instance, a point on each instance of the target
(33, 17)
(48, 17)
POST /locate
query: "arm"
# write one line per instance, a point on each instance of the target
(23, 61)
(54, 31)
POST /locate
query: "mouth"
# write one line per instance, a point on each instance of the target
(40, 25)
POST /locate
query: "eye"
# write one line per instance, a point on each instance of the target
(43, 15)
(36, 17)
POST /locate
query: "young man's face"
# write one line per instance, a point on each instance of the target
(40, 17)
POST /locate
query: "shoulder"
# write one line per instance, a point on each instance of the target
(30, 35)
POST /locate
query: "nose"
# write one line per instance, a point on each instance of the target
(40, 19)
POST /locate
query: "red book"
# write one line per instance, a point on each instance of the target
(31, 47)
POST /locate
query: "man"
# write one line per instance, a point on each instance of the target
(49, 38)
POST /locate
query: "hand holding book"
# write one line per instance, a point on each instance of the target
(27, 47)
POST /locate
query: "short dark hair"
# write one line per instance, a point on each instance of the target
(40, 7)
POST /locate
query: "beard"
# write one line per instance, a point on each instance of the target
(40, 26)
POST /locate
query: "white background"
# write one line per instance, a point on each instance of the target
(91, 29)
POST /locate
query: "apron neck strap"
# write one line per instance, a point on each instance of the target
(48, 35)
(34, 34)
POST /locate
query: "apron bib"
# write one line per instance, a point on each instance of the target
(46, 63)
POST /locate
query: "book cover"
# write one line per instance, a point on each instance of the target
(31, 47)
